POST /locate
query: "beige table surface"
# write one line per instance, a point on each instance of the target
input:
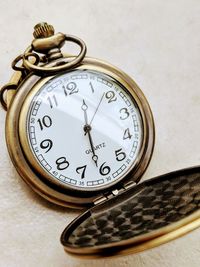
(157, 42)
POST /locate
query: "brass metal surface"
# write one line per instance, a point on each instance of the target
(32, 172)
(48, 46)
(42, 30)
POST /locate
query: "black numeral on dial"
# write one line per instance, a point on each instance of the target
(127, 134)
(81, 170)
(62, 163)
(46, 121)
(104, 170)
(70, 88)
(124, 113)
(52, 101)
(110, 95)
(120, 155)
(91, 86)
(46, 144)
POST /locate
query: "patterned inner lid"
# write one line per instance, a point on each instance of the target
(144, 210)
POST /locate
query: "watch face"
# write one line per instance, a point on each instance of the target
(84, 129)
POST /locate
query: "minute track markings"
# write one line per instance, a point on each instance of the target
(112, 104)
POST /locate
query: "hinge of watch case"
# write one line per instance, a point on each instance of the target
(114, 192)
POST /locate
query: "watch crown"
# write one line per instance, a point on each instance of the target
(43, 30)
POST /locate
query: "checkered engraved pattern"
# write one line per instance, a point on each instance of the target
(158, 203)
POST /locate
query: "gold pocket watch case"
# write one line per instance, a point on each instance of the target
(81, 134)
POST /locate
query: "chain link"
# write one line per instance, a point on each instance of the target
(3, 90)
(16, 61)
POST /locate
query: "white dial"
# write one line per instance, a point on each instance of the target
(84, 129)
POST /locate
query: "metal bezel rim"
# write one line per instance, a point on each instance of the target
(26, 170)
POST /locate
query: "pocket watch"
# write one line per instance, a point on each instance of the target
(80, 133)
